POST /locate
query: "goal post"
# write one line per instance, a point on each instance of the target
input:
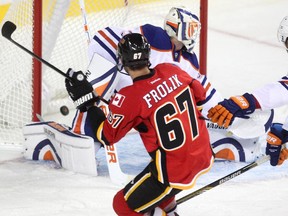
(203, 36)
(36, 65)
(54, 30)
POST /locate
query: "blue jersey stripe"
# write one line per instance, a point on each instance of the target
(113, 55)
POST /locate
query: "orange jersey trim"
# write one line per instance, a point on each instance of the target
(77, 128)
(108, 39)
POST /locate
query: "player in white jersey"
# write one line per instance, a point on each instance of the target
(173, 44)
(269, 96)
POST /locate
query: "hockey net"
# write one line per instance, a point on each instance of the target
(64, 45)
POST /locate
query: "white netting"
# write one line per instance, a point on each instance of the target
(64, 46)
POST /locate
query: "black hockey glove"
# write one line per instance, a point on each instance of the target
(80, 90)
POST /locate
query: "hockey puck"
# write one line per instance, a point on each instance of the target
(64, 110)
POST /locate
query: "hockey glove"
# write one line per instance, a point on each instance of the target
(80, 90)
(238, 106)
(275, 138)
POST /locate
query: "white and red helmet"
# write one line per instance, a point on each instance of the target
(283, 32)
(180, 23)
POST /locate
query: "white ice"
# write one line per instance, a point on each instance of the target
(243, 53)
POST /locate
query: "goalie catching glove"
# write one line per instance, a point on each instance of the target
(275, 138)
(80, 90)
(238, 106)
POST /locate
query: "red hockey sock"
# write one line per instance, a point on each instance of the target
(120, 206)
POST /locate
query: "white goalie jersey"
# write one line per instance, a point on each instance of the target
(273, 95)
(104, 43)
(162, 51)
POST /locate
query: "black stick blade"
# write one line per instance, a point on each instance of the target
(7, 29)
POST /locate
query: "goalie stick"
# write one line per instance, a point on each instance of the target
(224, 179)
(85, 24)
(115, 172)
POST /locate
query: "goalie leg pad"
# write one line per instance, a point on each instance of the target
(227, 146)
(53, 141)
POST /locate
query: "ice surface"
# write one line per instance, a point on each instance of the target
(243, 53)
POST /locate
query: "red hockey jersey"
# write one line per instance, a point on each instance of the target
(162, 107)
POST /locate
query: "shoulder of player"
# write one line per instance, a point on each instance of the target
(109, 36)
(192, 58)
(156, 36)
(169, 68)
(126, 98)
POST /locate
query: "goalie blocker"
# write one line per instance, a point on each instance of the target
(53, 141)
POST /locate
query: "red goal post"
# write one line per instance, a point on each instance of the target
(54, 30)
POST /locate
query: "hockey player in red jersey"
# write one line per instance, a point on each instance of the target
(173, 44)
(161, 104)
(269, 96)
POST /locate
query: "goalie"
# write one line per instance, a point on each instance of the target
(166, 116)
(269, 96)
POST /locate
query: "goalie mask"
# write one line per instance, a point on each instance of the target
(283, 32)
(183, 25)
(133, 51)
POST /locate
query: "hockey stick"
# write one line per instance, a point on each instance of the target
(7, 30)
(224, 179)
(116, 174)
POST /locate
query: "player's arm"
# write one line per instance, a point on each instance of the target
(212, 95)
(111, 133)
(198, 91)
(84, 97)
(118, 123)
(272, 95)
(269, 96)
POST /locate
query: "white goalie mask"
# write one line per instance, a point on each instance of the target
(283, 32)
(180, 23)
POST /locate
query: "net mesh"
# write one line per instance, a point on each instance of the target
(64, 45)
